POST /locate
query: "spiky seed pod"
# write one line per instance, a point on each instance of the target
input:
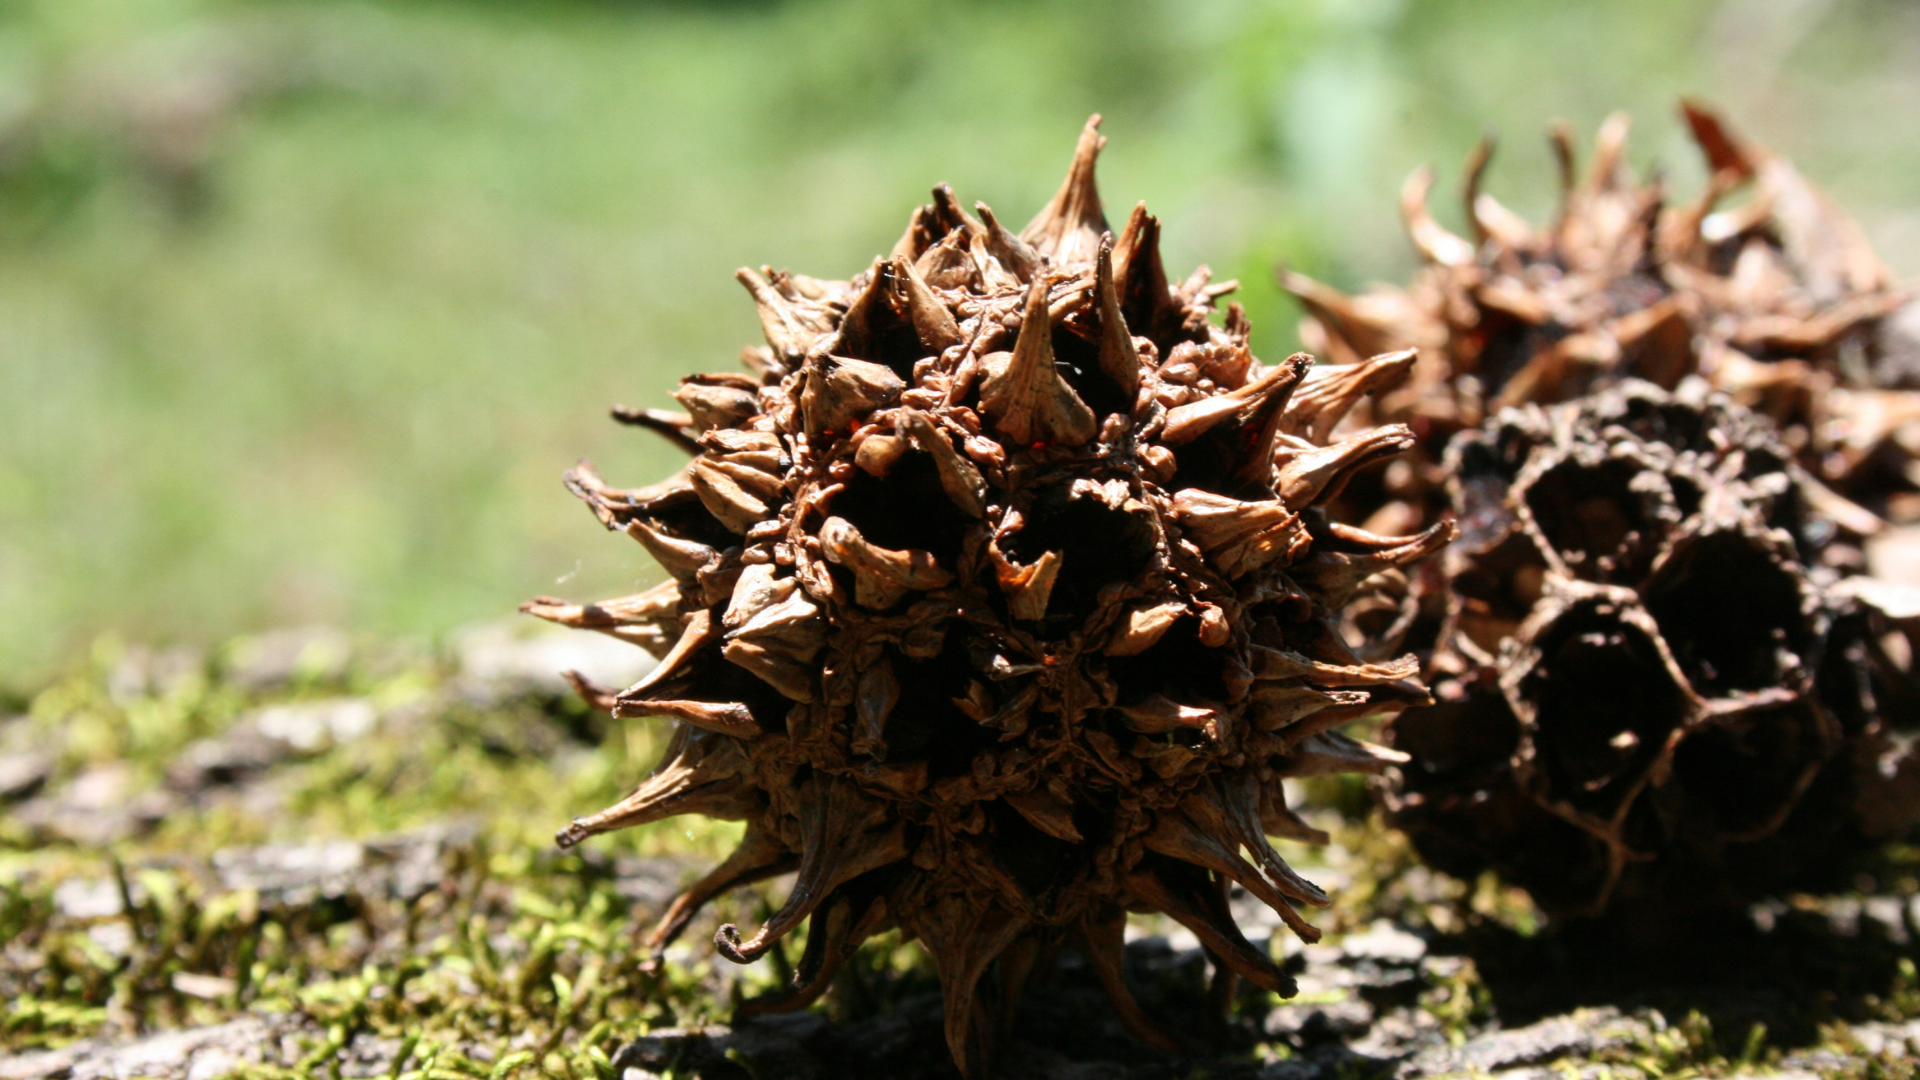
(1646, 699)
(1779, 301)
(1002, 601)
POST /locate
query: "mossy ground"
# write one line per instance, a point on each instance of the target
(456, 941)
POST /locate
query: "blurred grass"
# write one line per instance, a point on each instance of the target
(303, 307)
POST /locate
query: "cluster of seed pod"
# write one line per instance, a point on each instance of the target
(1778, 301)
(1002, 600)
(1647, 699)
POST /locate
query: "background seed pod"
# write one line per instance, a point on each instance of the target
(1002, 599)
(1652, 699)
(1777, 300)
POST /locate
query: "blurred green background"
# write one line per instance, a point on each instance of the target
(304, 307)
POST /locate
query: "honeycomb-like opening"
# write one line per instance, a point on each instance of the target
(1730, 612)
(1078, 361)
(905, 510)
(1594, 517)
(927, 725)
(1458, 741)
(1604, 705)
(1496, 591)
(1179, 665)
(1098, 546)
(1740, 774)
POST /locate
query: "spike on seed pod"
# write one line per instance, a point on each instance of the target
(1779, 302)
(982, 618)
(1023, 394)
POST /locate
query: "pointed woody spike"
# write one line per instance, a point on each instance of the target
(843, 835)
(1507, 228)
(1335, 575)
(614, 508)
(1189, 895)
(1724, 152)
(681, 558)
(1128, 247)
(1198, 834)
(1609, 152)
(1268, 417)
(822, 957)
(1015, 967)
(1330, 752)
(759, 856)
(1268, 392)
(670, 425)
(1141, 278)
(643, 619)
(882, 577)
(1337, 312)
(1284, 707)
(731, 718)
(873, 702)
(834, 934)
(1315, 476)
(1233, 806)
(1119, 359)
(1220, 991)
(1560, 137)
(1330, 392)
(1279, 664)
(1470, 188)
(930, 319)
(840, 392)
(787, 332)
(1333, 716)
(1277, 819)
(918, 237)
(700, 629)
(964, 936)
(1028, 594)
(1014, 254)
(598, 698)
(959, 478)
(1104, 941)
(1436, 244)
(701, 773)
(1068, 229)
(857, 325)
(950, 212)
(1024, 396)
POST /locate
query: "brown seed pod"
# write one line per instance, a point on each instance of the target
(1648, 701)
(1779, 301)
(1003, 598)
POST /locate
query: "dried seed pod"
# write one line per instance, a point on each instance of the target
(981, 614)
(1778, 301)
(1648, 701)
